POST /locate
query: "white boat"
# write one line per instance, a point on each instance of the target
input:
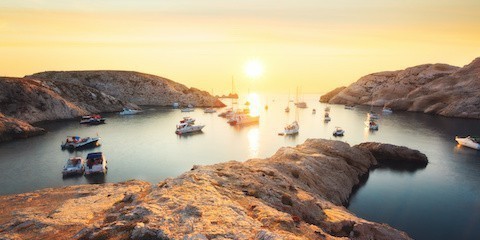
(187, 109)
(338, 132)
(183, 128)
(73, 166)
(327, 109)
(128, 111)
(243, 118)
(314, 111)
(292, 128)
(350, 107)
(372, 115)
(95, 163)
(326, 117)
(188, 120)
(92, 119)
(75, 142)
(209, 110)
(387, 110)
(471, 142)
(371, 124)
(175, 105)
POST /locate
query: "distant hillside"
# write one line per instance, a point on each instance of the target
(431, 88)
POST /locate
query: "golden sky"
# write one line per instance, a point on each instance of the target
(315, 44)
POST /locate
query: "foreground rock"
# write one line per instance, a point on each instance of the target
(135, 87)
(431, 88)
(295, 194)
(395, 155)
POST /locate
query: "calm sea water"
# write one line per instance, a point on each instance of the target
(441, 201)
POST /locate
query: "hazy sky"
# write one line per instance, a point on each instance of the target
(315, 44)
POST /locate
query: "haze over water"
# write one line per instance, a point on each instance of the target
(441, 201)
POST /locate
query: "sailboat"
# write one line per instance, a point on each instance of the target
(301, 104)
(293, 127)
(287, 109)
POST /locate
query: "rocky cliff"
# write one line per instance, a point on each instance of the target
(431, 88)
(295, 194)
(134, 87)
(12, 128)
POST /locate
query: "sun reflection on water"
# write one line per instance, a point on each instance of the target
(253, 142)
(255, 105)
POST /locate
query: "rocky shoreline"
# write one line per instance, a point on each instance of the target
(430, 88)
(298, 193)
(64, 95)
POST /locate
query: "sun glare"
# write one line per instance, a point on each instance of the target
(254, 68)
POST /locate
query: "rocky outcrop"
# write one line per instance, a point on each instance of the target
(391, 154)
(135, 87)
(331, 94)
(11, 128)
(431, 88)
(295, 194)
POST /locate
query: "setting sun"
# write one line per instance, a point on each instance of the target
(254, 68)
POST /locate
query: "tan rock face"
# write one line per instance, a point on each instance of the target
(432, 88)
(134, 87)
(11, 128)
(295, 194)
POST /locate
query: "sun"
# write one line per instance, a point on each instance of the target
(254, 68)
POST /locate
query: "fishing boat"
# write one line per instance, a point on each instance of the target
(339, 132)
(75, 142)
(92, 119)
(95, 164)
(129, 111)
(292, 128)
(73, 166)
(243, 118)
(471, 142)
(371, 124)
(188, 127)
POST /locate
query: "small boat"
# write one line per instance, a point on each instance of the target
(326, 117)
(187, 109)
(387, 110)
(243, 118)
(371, 124)
(188, 120)
(175, 105)
(372, 115)
(186, 127)
(327, 109)
(95, 163)
(301, 104)
(338, 132)
(471, 142)
(350, 107)
(292, 128)
(209, 110)
(92, 119)
(128, 111)
(314, 111)
(287, 109)
(74, 166)
(75, 142)
(226, 113)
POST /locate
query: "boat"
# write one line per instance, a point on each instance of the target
(243, 118)
(188, 120)
(209, 110)
(292, 128)
(92, 119)
(349, 107)
(387, 110)
(226, 113)
(372, 115)
(129, 111)
(471, 142)
(326, 117)
(287, 109)
(95, 164)
(75, 142)
(301, 104)
(371, 124)
(314, 111)
(188, 127)
(338, 132)
(187, 109)
(175, 105)
(327, 109)
(73, 166)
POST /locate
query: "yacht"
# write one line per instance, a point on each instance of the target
(186, 127)
(75, 142)
(129, 111)
(92, 119)
(471, 142)
(73, 166)
(243, 118)
(95, 163)
(338, 132)
(292, 128)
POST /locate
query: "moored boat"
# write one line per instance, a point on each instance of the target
(185, 127)
(129, 111)
(326, 117)
(468, 141)
(339, 132)
(73, 166)
(301, 104)
(243, 118)
(314, 111)
(372, 115)
(371, 124)
(292, 128)
(386, 110)
(188, 120)
(287, 109)
(209, 110)
(92, 119)
(75, 142)
(95, 164)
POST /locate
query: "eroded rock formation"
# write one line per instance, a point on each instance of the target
(431, 88)
(295, 194)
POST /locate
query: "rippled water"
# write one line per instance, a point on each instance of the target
(441, 201)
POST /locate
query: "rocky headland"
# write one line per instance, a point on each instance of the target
(63, 95)
(431, 88)
(298, 193)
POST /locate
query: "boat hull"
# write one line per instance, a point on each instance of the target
(467, 143)
(91, 142)
(190, 129)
